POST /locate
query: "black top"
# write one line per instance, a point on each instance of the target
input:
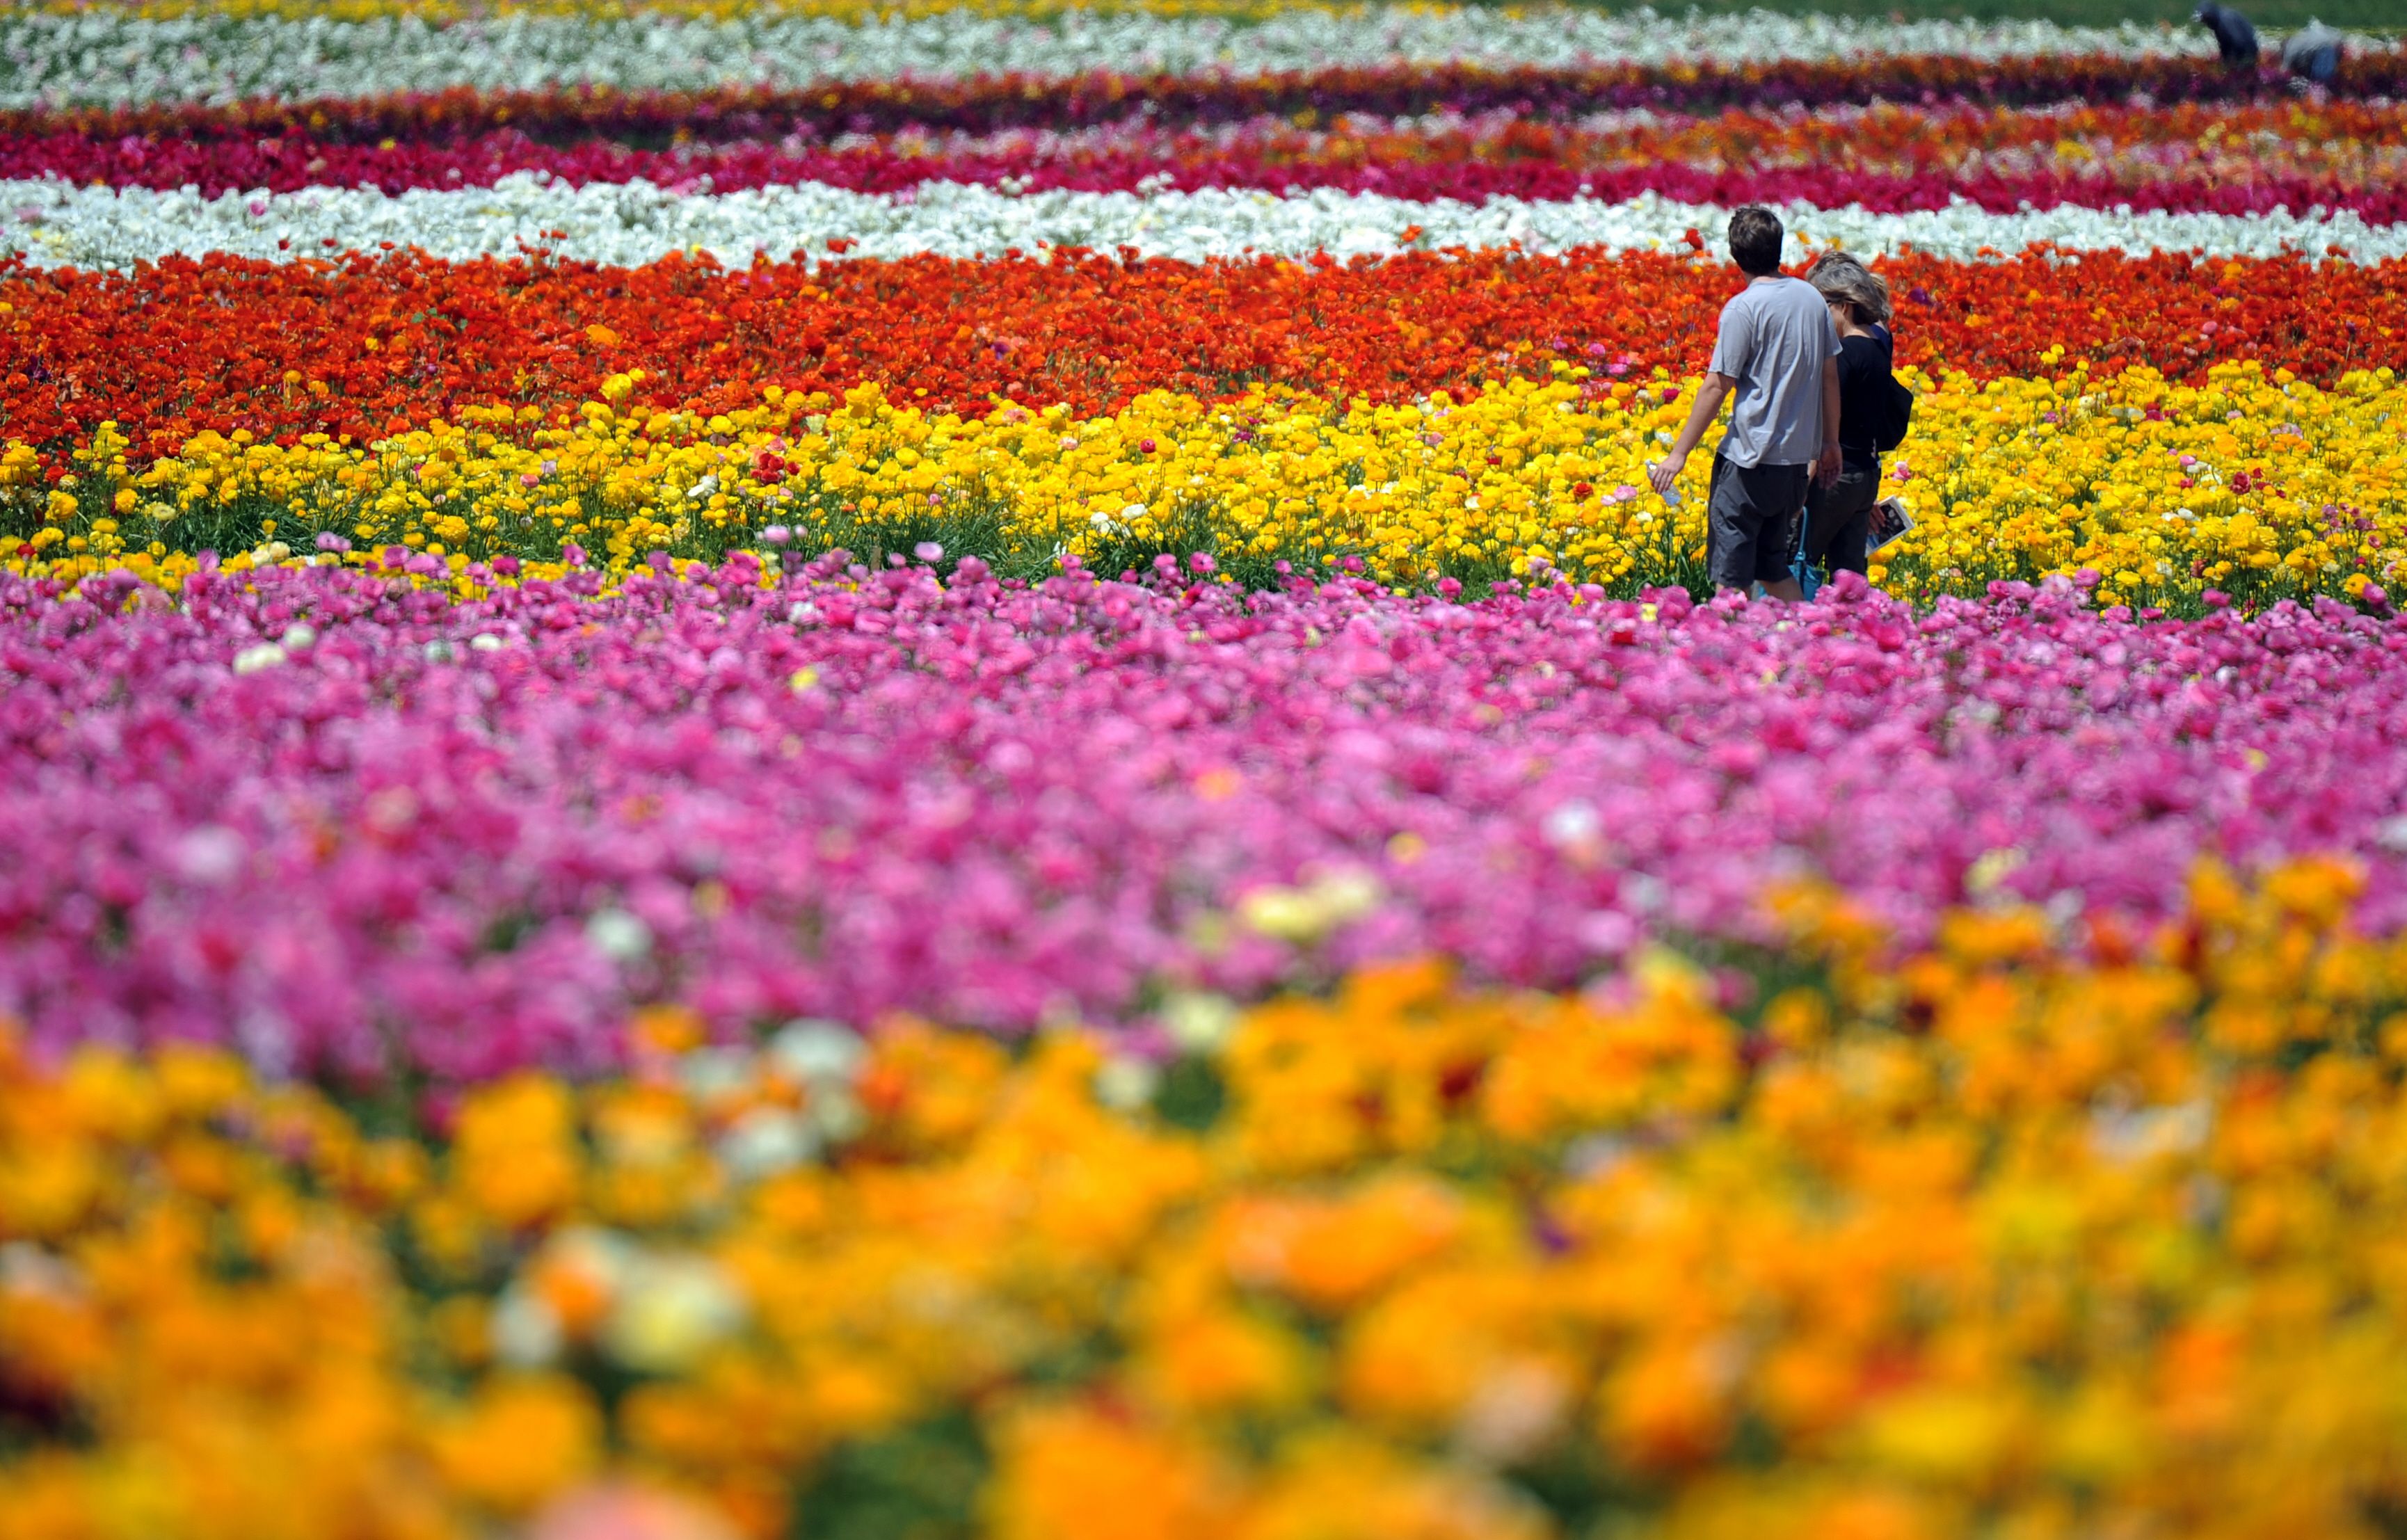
(1863, 376)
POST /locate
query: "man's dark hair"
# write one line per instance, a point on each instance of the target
(1754, 237)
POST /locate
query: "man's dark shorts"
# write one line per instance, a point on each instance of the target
(1751, 521)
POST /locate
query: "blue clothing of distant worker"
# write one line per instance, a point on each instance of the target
(2233, 36)
(2313, 54)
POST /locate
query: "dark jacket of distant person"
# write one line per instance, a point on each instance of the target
(2233, 34)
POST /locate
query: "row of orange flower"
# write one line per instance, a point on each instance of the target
(1996, 1242)
(366, 347)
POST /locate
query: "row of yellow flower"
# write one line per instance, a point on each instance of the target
(2253, 483)
(1992, 1242)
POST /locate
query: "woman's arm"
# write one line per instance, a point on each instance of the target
(1710, 397)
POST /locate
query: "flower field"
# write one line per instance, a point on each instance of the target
(845, 772)
(491, 286)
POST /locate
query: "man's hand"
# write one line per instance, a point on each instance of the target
(1826, 470)
(1710, 397)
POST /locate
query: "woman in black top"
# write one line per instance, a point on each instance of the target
(1838, 518)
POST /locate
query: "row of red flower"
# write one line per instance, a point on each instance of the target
(354, 346)
(2241, 163)
(1005, 101)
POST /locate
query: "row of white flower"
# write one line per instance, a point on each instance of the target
(628, 224)
(107, 58)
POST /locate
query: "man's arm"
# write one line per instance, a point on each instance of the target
(1710, 397)
(1827, 471)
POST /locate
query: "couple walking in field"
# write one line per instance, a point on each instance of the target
(1805, 366)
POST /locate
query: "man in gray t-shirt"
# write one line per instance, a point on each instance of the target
(1775, 359)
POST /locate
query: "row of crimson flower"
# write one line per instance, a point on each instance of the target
(1536, 162)
(361, 344)
(1006, 101)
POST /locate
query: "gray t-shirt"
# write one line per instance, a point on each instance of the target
(1774, 337)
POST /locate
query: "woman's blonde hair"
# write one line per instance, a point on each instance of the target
(1842, 279)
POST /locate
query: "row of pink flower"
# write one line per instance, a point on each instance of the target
(341, 822)
(1468, 166)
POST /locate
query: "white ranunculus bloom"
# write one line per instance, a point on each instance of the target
(526, 1331)
(819, 1053)
(619, 936)
(250, 660)
(767, 1140)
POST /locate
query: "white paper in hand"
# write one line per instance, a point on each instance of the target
(1890, 521)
